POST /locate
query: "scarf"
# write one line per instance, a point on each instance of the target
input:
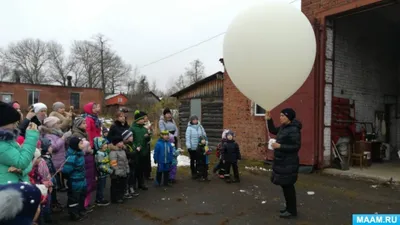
(8, 135)
(96, 119)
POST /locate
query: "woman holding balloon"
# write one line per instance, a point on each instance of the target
(285, 166)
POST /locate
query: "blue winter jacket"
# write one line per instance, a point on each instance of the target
(74, 170)
(192, 135)
(163, 155)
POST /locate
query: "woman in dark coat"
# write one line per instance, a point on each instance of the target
(285, 166)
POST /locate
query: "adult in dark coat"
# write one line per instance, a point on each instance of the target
(285, 165)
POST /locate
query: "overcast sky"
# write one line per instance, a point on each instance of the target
(141, 31)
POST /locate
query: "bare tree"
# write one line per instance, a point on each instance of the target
(5, 72)
(86, 57)
(101, 46)
(59, 66)
(195, 72)
(116, 72)
(30, 57)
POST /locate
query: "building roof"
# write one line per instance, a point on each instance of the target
(46, 85)
(152, 93)
(215, 76)
(113, 95)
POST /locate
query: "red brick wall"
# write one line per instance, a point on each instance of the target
(50, 94)
(313, 8)
(251, 130)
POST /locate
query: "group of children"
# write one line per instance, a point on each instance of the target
(85, 156)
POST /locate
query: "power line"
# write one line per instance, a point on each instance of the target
(185, 49)
(190, 47)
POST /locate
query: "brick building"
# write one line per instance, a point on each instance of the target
(357, 61)
(27, 94)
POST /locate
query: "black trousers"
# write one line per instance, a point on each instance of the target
(290, 197)
(193, 157)
(117, 189)
(76, 201)
(162, 178)
(202, 168)
(147, 165)
(139, 174)
(235, 168)
(131, 177)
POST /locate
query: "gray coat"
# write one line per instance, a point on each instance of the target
(119, 163)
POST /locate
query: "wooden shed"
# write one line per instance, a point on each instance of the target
(205, 100)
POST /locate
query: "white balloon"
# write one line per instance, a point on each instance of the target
(269, 51)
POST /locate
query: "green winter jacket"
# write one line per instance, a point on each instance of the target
(11, 154)
(139, 139)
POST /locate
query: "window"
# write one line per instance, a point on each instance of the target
(75, 100)
(7, 98)
(119, 100)
(33, 97)
(258, 110)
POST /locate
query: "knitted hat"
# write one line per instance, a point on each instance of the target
(126, 134)
(8, 114)
(19, 203)
(139, 115)
(289, 113)
(104, 130)
(37, 154)
(224, 133)
(74, 143)
(116, 140)
(37, 107)
(201, 138)
(45, 145)
(58, 105)
(78, 121)
(98, 143)
(51, 121)
(166, 111)
(229, 133)
(194, 117)
(164, 132)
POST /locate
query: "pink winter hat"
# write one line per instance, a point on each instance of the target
(51, 121)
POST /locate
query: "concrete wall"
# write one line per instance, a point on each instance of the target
(364, 66)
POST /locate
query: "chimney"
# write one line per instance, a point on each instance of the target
(69, 82)
(17, 76)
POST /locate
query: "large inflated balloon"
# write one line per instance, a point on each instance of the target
(269, 51)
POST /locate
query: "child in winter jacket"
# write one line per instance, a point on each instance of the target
(132, 156)
(120, 165)
(219, 167)
(47, 157)
(163, 156)
(175, 153)
(230, 156)
(202, 152)
(93, 129)
(40, 174)
(103, 169)
(74, 169)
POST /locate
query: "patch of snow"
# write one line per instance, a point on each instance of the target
(183, 160)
